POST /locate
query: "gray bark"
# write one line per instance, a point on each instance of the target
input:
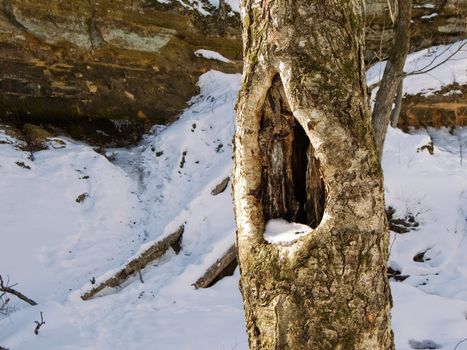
(393, 73)
(398, 104)
(303, 97)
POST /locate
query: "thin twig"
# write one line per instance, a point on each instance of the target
(140, 275)
(38, 325)
(424, 70)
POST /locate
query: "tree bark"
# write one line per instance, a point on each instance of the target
(393, 74)
(396, 112)
(305, 152)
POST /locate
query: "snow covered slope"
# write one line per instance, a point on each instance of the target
(443, 64)
(53, 246)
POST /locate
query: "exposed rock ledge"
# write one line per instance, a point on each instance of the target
(104, 62)
(109, 69)
(447, 107)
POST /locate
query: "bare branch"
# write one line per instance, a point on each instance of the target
(8, 289)
(424, 70)
(39, 325)
(428, 68)
(460, 342)
(4, 305)
(392, 14)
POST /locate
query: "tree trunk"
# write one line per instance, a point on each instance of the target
(391, 84)
(396, 112)
(305, 152)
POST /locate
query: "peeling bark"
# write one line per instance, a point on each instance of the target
(304, 97)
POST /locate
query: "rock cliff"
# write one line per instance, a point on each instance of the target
(116, 66)
(107, 70)
(433, 22)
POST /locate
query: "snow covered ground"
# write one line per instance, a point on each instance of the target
(53, 245)
(442, 65)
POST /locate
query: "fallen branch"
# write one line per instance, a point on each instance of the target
(8, 289)
(136, 265)
(4, 305)
(38, 325)
(460, 342)
(225, 266)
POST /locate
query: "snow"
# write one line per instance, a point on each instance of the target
(43, 222)
(53, 246)
(427, 6)
(282, 231)
(211, 55)
(433, 188)
(234, 5)
(431, 15)
(419, 317)
(194, 5)
(201, 8)
(452, 71)
(139, 198)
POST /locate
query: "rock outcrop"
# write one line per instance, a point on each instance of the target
(434, 22)
(106, 71)
(447, 107)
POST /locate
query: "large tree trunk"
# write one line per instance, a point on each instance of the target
(304, 152)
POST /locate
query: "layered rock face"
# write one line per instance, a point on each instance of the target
(115, 66)
(447, 107)
(434, 22)
(105, 71)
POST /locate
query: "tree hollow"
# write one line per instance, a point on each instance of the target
(292, 186)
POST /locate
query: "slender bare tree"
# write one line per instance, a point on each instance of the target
(391, 87)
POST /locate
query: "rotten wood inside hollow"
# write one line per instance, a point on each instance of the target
(223, 267)
(154, 252)
(292, 186)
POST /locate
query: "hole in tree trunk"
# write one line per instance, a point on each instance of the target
(292, 187)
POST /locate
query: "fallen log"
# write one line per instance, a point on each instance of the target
(225, 266)
(154, 252)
